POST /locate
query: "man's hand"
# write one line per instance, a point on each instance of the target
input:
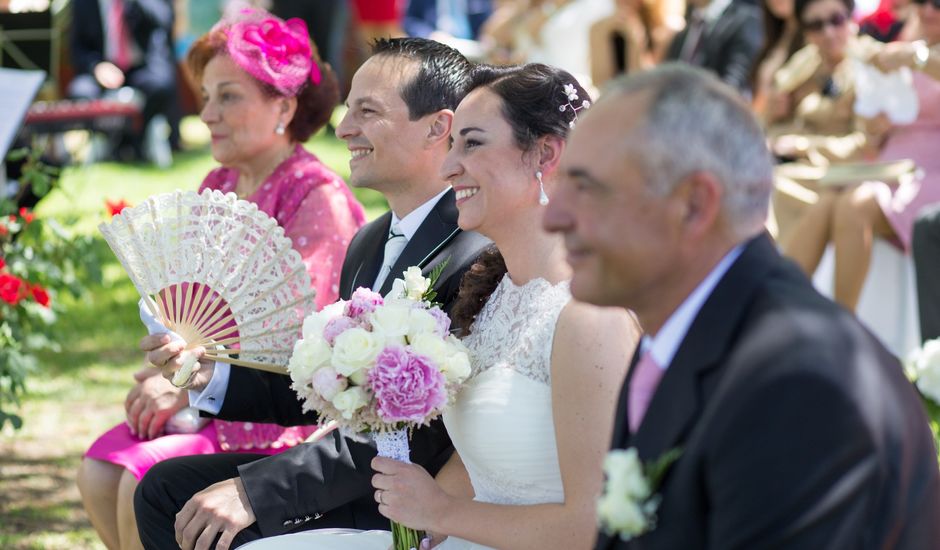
(221, 509)
(168, 356)
(151, 402)
(109, 75)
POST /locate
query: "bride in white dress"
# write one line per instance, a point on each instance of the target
(531, 425)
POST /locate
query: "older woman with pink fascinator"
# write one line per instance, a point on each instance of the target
(265, 91)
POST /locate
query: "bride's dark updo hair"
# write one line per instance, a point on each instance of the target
(535, 104)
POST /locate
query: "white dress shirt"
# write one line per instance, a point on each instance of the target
(664, 344)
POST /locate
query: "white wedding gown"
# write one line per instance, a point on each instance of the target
(501, 423)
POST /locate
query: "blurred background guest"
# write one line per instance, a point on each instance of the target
(260, 106)
(782, 38)
(892, 20)
(126, 43)
(723, 36)
(456, 23)
(632, 38)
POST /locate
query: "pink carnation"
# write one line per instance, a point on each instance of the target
(443, 321)
(362, 302)
(407, 387)
(336, 326)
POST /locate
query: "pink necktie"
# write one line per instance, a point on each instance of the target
(122, 50)
(643, 384)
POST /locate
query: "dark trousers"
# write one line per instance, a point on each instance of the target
(925, 246)
(170, 484)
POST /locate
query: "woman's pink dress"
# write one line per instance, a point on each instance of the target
(919, 141)
(320, 215)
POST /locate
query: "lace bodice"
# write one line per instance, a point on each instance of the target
(516, 328)
(501, 423)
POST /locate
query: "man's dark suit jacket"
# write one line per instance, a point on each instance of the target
(150, 26)
(311, 480)
(797, 429)
(729, 45)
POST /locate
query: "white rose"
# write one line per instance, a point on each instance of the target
(457, 344)
(355, 349)
(309, 355)
(420, 322)
(315, 322)
(349, 401)
(327, 382)
(619, 514)
(391, 320)
(625, 474)
(397, 291)
(432, 347)
(415, 283)
(456, 367)
(926, 363)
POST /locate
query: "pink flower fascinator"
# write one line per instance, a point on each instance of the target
(272, 50)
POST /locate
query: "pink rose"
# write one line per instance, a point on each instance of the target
(336, 326)
(327, 382)
(362, 302)
(406, 386)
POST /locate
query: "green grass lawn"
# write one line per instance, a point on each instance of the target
(79, 393)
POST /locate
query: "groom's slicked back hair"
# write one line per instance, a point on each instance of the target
(443, 76)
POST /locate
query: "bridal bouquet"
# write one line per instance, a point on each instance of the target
(381, 365)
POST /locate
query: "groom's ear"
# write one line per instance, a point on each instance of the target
(439, 124)
(549, 149)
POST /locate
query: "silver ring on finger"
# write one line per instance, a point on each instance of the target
(381, 496)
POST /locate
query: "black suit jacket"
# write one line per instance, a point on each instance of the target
(150, 26)
(330, 481)
(797, 428)
(729, 45)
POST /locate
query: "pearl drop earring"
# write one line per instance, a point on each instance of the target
(543, 198)
(280, 129)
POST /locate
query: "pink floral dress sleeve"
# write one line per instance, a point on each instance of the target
(320, 215)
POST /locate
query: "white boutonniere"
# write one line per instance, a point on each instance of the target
(628, 505)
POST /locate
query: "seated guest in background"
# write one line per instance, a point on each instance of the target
(397, 127)
(723, 36)
(782, 38)
(851, 217)
(634, 37)
(788, 425)
(925, 247)
(116, 43)
(809, 109)
(258, 119)
(810, 105)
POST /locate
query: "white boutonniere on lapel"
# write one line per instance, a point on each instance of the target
(628, 505)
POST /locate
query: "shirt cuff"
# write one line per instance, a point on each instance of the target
(210, 399)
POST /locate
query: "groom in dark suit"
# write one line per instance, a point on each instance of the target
(794, 427)
(398, 125)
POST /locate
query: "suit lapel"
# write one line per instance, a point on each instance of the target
(438, 229)
(369, 253)
(679, 398)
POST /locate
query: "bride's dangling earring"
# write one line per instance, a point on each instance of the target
(543, 198)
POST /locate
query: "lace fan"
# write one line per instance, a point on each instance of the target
(217, 271)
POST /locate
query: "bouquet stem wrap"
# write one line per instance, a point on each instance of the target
(394, 444)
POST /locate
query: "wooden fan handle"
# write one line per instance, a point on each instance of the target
(277, 369)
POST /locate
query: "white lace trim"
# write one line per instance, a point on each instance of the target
(516, 328)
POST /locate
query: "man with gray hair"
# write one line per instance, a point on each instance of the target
(776, 419)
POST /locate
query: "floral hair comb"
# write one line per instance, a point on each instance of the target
(272, 50)
(571, 96)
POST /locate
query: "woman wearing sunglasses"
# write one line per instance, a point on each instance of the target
(851, 217)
